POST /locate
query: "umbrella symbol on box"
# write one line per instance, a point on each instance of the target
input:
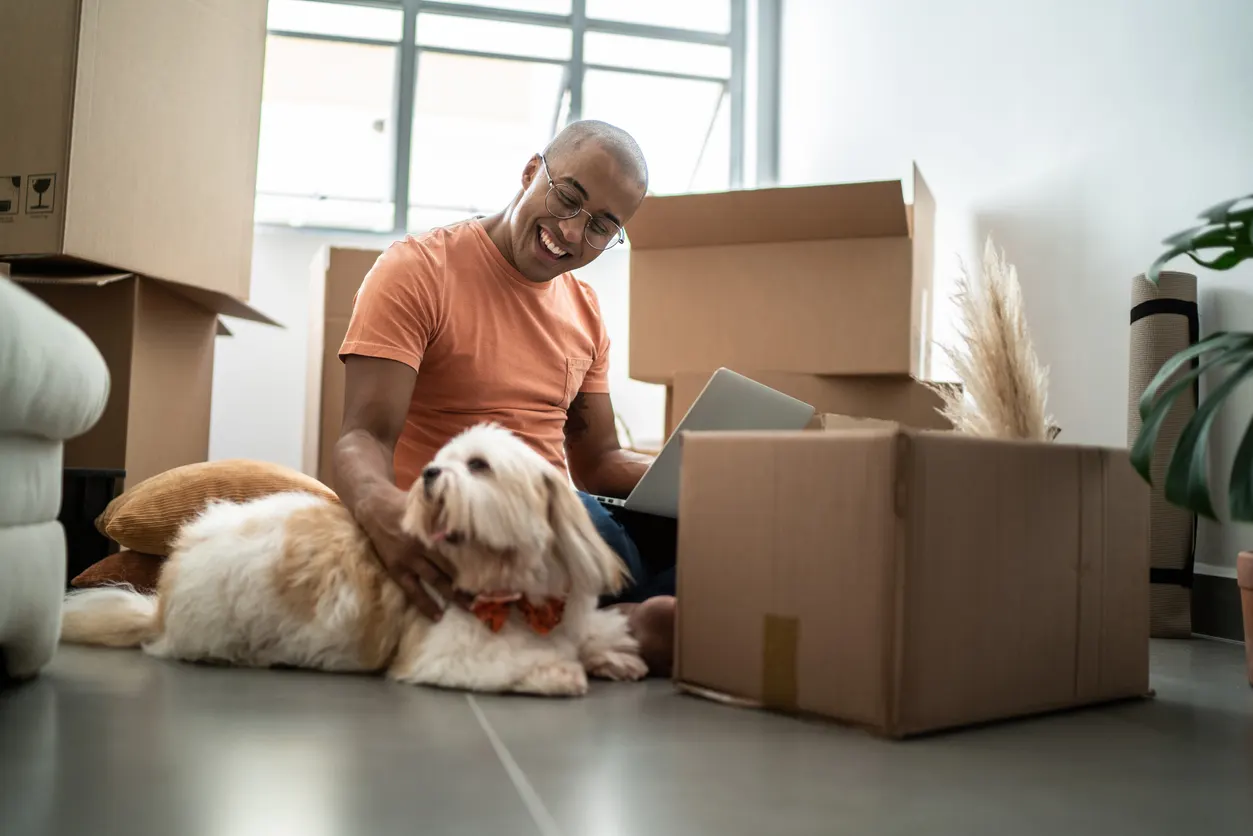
(10, 194)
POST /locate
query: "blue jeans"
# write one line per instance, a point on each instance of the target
(647, 580)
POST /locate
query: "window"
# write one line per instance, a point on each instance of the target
(396, 115)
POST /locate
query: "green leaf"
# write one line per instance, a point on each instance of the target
(1223, 261)
(1218, 340)
(1155, 269)
(1218, 213)
(1183, 240)
(1240, 488)
(1187, 476)
(1155, 415)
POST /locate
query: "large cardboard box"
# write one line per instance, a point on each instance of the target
(157, 339)
(910, 581)
(128, 136)
(829, 280)
(887, 397)
(337, 273)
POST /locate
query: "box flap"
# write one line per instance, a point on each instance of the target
(38, 272)
(755, 216)
(223, 331)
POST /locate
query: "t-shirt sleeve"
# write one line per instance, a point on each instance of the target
(395, 312)
(596, 381)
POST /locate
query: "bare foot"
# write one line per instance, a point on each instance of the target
(652, 625)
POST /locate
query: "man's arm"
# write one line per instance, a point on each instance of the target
(376, 401)
(598, 464)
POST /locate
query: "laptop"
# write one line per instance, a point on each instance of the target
(729, 401)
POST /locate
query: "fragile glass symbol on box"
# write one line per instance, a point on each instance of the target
(40, 201)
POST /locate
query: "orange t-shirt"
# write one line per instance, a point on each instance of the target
(487, 344)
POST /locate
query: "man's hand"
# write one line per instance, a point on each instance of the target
(376, 398)
(403, 556)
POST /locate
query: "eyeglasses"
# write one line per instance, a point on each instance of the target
(565, 202)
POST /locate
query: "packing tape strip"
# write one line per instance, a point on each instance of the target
(780, 636)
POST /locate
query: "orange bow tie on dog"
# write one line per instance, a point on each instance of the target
(493, 610)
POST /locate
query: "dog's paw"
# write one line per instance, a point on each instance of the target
(617, 665)
(557, 679)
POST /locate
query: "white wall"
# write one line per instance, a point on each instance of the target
(1077, 132)
(259, 373)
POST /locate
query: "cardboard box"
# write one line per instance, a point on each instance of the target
(337, 273)
(157, 339)
(888, 397)
(910, 581)
(130, 133)
(828, 280)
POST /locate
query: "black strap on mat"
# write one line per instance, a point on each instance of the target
(1188, 310)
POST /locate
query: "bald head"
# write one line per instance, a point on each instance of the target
(619, 144)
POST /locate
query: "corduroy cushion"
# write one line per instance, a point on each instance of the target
(147, 517)
(135, 568)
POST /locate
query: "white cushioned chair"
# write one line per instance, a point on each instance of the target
(53, 387)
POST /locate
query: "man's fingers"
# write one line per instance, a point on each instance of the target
(441, 563)
(440, 582)
(419, 597)
(443, 580)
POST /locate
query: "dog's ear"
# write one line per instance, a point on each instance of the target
(593, 566)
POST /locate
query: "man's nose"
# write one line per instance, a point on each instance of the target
(429, 476)
(572, 229)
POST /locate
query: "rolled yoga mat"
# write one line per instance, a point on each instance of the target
(1163, 323)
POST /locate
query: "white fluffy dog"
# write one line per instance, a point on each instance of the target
(291, 579)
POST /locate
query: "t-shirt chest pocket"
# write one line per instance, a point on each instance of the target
(576, 370)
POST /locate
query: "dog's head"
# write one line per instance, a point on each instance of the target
(508, 520)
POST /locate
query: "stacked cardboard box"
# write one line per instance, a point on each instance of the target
(884, 570)
(822, 292)
(336, 275)
(127, 180)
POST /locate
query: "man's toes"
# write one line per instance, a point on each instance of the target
(652, 624)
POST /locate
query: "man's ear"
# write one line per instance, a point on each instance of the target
(531, 171)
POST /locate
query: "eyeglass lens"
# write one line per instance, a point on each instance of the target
(564, 202)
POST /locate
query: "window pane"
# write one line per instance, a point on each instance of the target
(652, 54)
(709, 15)
(476, 122)
(670, 118)
(327, 138)
(552, 7)
(493, 36)
(336, 19)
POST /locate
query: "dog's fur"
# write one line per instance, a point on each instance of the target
(291, 579)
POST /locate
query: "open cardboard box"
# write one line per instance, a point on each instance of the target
(157, 339)
(907, 580)
(335, 277)
(128, 136)
(823, 280)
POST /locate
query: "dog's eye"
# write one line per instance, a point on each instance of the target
(477, 465)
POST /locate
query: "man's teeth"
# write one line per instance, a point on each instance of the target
(550, 244)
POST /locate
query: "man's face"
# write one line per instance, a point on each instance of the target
(590, 175)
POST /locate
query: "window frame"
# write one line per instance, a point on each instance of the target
(575, 67)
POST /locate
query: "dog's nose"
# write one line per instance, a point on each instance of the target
(430, 475)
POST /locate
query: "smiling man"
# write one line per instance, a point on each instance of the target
(483, 321)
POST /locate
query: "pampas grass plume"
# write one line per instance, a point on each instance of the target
(1005, 389)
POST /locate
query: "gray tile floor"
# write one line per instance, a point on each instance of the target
(112, 742)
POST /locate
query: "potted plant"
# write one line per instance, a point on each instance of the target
(1223, 240)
